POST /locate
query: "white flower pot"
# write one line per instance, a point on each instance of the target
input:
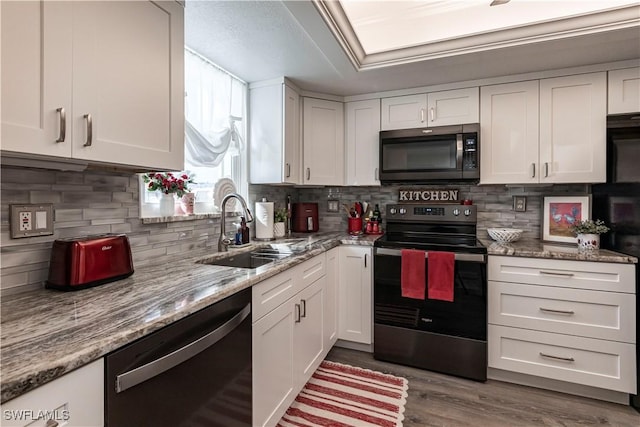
(278, 229)
(167, 205)
(588, 242)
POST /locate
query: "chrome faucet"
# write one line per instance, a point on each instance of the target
(223, 240)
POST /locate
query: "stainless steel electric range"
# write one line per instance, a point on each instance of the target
(443, 336)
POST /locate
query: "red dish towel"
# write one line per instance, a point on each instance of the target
(412, 279)
(440, 277)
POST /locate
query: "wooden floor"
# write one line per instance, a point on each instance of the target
(441, 400)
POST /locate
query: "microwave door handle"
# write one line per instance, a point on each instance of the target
(459, 151)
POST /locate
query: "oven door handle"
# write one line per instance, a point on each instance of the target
(154, 368)
(458, 256)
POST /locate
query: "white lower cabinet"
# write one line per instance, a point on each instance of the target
(331, 298)
(571, 321)
(355, 304)
(288, 336)
(74, 400)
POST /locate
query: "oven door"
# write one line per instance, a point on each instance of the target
(465, 317)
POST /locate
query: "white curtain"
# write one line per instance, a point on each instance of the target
(214, 104)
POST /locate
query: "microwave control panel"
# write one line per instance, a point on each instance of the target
(470, 151)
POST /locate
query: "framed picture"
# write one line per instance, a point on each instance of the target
(559, 213)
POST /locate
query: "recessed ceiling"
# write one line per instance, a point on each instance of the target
(261, 40)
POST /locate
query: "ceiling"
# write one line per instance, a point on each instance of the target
(313, 44)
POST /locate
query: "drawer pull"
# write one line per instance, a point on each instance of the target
(553, 273)
(564, 359)
(550, 310)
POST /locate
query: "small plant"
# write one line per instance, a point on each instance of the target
(168, 183)
(589, 227)
(280, 215)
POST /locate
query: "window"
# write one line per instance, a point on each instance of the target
(215, 129)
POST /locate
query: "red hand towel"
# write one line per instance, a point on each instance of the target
(412, 280)
(440, 277)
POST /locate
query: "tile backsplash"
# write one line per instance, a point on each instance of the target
(96, 202)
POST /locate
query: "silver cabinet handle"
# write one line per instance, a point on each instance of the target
(303, 304)
(288, 170)
(308, 174)
(63, 124)
(52, 423)
(298, 316)
(564, 359)
(432, 113)
(533, 174)
(154, 368)
(553, 273)
(376, 175)
(89, 130)
(365, 260)
(546, 169)
(422, 115)
(550, 310)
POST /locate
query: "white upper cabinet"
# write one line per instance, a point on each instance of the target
(547, 131)
(117, 70)
(323, 142)
(362, 133)
(624, 90)
(274, 137)
(443, 108)
(573, 129)
(509, 133)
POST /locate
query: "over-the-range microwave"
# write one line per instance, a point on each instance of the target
(430, 154)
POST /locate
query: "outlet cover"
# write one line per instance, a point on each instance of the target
(31, 220)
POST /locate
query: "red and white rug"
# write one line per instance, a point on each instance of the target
(340, 395)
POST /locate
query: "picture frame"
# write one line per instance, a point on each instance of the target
(559, 213)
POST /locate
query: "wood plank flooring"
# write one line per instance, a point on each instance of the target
(442, 400)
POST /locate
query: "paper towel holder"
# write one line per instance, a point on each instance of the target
(264, 221)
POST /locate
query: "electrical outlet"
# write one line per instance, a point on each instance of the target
(25, 221)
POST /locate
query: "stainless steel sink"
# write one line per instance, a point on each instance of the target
(253, 259)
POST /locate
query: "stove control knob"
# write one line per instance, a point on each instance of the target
(393, 211)
(456, 212)
(403, 211)
(467, 212)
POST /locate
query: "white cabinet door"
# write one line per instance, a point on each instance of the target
(509, 133)
(624, 90)
(274, 375)
(573, 113)
(355, 309)
(330, 331)
(453, 107)
(308, 338)
(363, 130)
(36, 77)
(274, 134)
(323, 142)
(76, 400)
(404, 112)
(128, 78)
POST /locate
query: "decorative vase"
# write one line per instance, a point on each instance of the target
(588, 242)
(278, 229)
(167, 205)
(187, 202)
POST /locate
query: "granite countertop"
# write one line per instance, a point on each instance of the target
(538, 249)
(47, 333)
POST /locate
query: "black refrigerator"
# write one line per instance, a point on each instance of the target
(618, 201)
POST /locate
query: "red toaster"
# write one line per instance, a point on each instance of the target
(89, 261)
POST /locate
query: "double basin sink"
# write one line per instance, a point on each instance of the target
(258, 257)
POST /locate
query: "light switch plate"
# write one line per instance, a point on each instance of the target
(31, 220)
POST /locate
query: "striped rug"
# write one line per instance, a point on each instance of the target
(340, 395)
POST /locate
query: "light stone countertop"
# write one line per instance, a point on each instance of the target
(47, 333)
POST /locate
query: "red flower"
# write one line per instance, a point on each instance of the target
(185, 176)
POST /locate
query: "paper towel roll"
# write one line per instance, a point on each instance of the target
(264, 220)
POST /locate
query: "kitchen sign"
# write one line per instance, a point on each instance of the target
(410, 195)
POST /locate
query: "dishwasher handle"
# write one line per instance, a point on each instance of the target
(154, 368)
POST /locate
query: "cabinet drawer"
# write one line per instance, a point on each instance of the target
(597, 363)
(270, 293)
(311, 270)
(592, 314)
(600, 276)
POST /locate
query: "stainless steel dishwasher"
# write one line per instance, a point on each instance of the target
(194, 372)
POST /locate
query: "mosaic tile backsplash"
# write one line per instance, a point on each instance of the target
(95, 202)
